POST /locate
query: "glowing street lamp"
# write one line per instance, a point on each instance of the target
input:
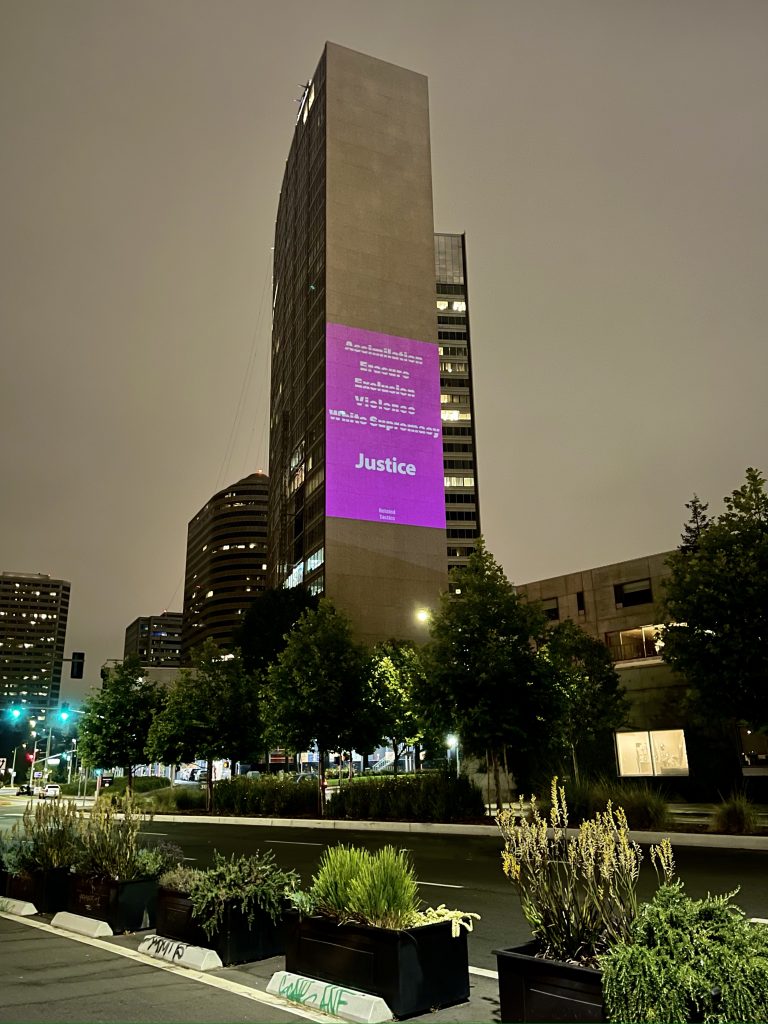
(452, 742)
(423, 615)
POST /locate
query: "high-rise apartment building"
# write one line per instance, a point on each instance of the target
(357, 506)
(226, 563)
(462, 509)
(33, 626)
(155, 640)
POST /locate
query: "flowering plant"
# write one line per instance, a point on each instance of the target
(578, 890)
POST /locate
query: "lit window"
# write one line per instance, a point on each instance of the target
(441, 304)
(209, 594)
(459, 307)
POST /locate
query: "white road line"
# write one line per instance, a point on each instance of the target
(206, 979)
(482, 972)
(289, 842)
(153, 833)
(442, 885)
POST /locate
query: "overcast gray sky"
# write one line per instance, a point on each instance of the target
(606, 158)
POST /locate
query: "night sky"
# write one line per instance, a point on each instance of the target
(606, 158)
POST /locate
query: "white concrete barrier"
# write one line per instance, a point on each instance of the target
(346, 1003)
(81, 925)
(197, 958)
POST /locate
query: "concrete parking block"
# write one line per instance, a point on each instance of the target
(346, 1003)
(21, 908)
(81, 925)
(197, 958)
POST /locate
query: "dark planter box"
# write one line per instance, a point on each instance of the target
(235, 940)
(48, 890)
(125, 906)
(534, 989)
(414, 970)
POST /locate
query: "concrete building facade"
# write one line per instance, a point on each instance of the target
(617, 604)
(33, 625)
(155, 640)
(357, 505)
(226, 564)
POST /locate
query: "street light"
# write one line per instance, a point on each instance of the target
(452, 742)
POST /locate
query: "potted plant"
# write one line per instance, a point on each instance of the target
(115, 877)
(361, 925)
(688, 960)
(236, 907)
(578, 893)
(38, 853)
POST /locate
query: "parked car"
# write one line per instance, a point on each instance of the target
(51, 791)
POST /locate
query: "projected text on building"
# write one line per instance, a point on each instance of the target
(384, 450)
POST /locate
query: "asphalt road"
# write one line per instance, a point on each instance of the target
(45, 975)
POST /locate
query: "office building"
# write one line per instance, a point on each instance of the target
(33, 627)
(226, 563)
(357, 505)
(462, 508)
(155, 640)
(617, 604)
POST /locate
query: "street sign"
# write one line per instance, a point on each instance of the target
(2, 764)
(38, 775)
(53, 761)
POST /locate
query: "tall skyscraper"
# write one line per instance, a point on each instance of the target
(226, 563)
(155, 640)
(462, 508)
(33, 628)
(357, 506)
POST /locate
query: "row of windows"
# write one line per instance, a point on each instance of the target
(626, 595)
(452, 335)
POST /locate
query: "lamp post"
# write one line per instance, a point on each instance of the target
(452, 742)
(72, 756)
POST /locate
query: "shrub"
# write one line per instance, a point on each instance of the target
(247, 882)
(180, 879)
(577, 893)
(686, 960)
(735, 816)
(269, 796)
(376, 889)
(645, 808)
(426, 796)
(110, 846)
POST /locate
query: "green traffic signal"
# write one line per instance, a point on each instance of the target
(64, 713)
(15, 713)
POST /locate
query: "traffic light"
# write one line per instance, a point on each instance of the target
(15, 713)
(30, 756)
(77, 665)
(64, 712)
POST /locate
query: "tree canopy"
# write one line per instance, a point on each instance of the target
(396, 673)
(716, 606)
(116, 720)
(483, 679)
(211, 712)
(319, 689)
(591, 701)
(266, 623)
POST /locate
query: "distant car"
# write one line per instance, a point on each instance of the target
(24, 791)
(50, 792)
(309, 776)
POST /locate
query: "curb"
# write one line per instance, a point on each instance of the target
(693, 839)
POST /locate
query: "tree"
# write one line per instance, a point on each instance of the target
(396, 670)
(266, 623)
(117, 719)
(319, 689)
(482, 677)
(592, 702)
(716, 608)
(211, 712)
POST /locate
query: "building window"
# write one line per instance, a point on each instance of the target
(551, 608)
(628, 595)
(580, 606)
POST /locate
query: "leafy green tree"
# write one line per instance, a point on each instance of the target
(592, 703)
(483, 679)
(716, 607)
(319, 689)
(116, 720)
(267, 622)
(396, 670)
(211, 712)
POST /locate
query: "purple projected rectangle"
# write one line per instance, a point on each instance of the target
(384, 446)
